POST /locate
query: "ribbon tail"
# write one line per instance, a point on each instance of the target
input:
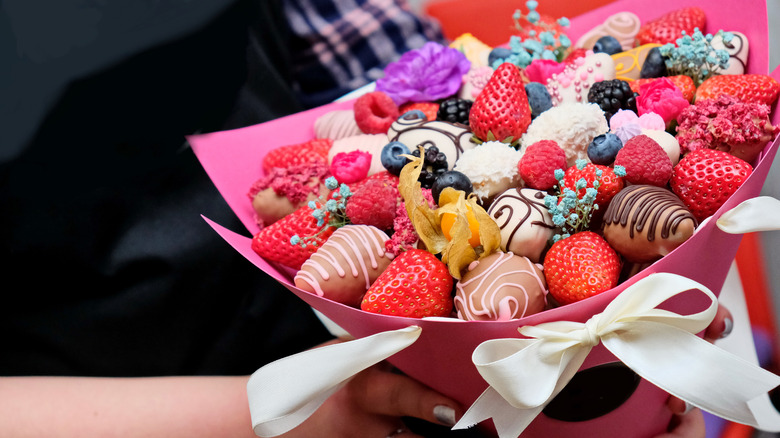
(509, 420)
(284, 393)
(716, 381)
(761, 213)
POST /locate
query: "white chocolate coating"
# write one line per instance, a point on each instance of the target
(500, 287)
(336, 125)
(573, 83)
(344, 267)
(450, 138)
(738, 52)
(623, 26)
(525, 223)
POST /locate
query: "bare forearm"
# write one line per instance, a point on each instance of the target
(167, 407)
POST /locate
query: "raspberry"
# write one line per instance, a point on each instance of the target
(350, 167)
(385, 177)
(645, 161)
(539, 162)
(374, 203)
(375, 112)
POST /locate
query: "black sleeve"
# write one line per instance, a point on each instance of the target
(108, 267)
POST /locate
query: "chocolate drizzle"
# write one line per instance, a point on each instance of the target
(649, 204)
(506, 211)
(403, 126)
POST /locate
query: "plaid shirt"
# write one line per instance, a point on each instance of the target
(341, 45)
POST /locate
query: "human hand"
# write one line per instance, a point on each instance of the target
(371, 405)
(687, 421)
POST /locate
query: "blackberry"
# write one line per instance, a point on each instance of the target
(612, 96)
(434, 164)
(454, 110)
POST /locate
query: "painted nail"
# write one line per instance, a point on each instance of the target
(444, 415)
(728, 326)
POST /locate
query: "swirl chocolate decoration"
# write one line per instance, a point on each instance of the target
(737, 49)
(452, 139)
(623, 26)
(500, 287)
(644, 223)
(526, 225)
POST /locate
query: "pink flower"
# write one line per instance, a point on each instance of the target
(662, 97)
(350, 167)
(539, 70)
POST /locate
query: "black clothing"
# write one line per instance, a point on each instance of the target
(108, 268)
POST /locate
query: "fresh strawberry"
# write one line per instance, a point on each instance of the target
(749, 88)
(273, 242)
(314, 151)
(683, 82)
(668, 27)
(375, 112)
(609, 183)
(501, 111)
(575, 54)
(430, 109)
(415, 284)
(705, 178)
(580, 266)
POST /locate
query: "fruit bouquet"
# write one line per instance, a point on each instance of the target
(537, 230)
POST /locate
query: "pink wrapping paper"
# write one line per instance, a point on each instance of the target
(441, 358)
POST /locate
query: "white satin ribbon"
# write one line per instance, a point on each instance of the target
(659, 345)
(757, 214)
(286, 392)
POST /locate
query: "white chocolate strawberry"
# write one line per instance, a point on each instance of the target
(573, 83)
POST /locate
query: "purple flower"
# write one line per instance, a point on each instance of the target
(429, 73)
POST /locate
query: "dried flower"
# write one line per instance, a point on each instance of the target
(429, 73)
(538, 38)
(695, 57)
(328, 210)
(571, 210)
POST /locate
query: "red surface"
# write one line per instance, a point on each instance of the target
(491, 22)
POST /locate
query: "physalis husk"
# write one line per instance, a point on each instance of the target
(456, 252)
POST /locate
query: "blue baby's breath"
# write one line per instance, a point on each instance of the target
(694, 56)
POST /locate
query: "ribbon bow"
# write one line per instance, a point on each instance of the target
(526, 374)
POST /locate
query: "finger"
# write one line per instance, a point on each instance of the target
(392, 394)
(690, 425)
(677, 406)
(721, 325)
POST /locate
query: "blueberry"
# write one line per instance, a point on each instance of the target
(607, 44)
(538, 98)
(498, 53)
(451, 178)
(603, 149)
(391, 157)
(414, 115)
(654, 65)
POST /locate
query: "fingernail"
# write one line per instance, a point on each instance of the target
(444, 415)
(688, 408)
(728, 326)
